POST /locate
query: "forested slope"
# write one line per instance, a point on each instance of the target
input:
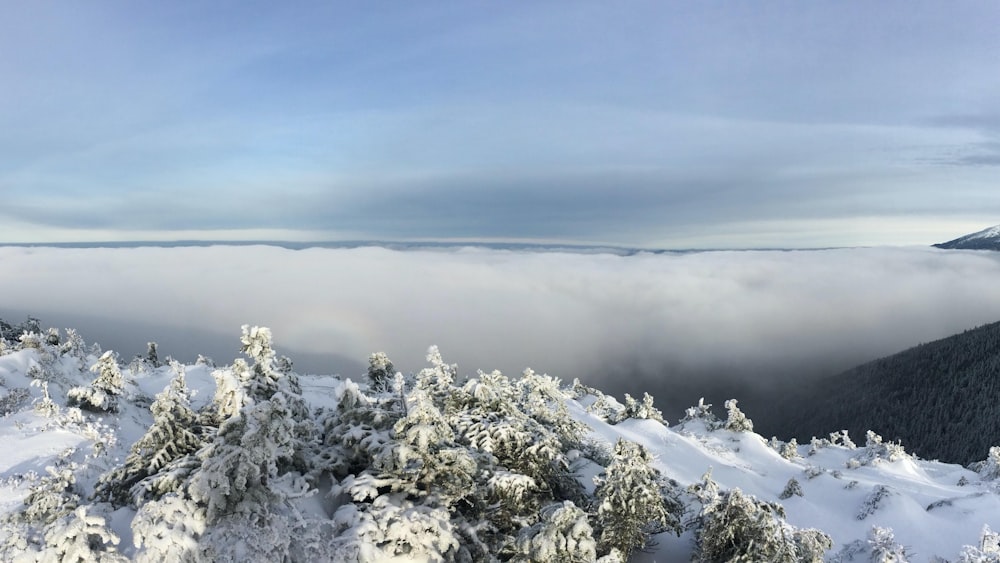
(939, 398)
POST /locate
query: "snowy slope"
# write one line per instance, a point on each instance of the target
(933, 509)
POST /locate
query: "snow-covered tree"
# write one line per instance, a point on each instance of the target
(792, 488)
(425, 458)
(438, 378)
(380, 372)
(356, 433)
(79, 537)
(630, 503)
(732, 526)
(152, 354)
(168, 529)
(175, 433)
(102, 394)
(736, 421)
(876, 450)
(562, 534)
(242, 462)
(53, 497)
(701, 412)
(988, 550)
(884, 548)
(391, 526)
(641, 410)
(989, 468)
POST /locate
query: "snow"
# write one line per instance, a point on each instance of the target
(920, 501)
(990, 233)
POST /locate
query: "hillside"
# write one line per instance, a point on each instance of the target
(986, 239)
(150, 460)
(938, 398)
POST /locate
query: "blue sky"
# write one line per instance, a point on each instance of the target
(660, 124)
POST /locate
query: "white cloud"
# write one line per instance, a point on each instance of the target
(572, 315)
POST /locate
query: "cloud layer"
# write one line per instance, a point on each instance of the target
(647, 322)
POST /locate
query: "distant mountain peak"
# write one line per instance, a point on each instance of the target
(986, 239)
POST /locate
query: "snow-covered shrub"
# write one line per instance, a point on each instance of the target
(989, 468)
(604, 410)
(988, 550)
(53, 497)
(641, 410)
(631, 505)
(813, 471)
(736, 421)
(425, 456)
(842, 439)
(884, 548)
(788, 450)
(562, 534)
(701, 412)
(391, 526)
(792, 488)
(873, 501)
(79, 537)
(817, 444)
(14, 400)
(732, 526)
(876, 450)
(168, 529)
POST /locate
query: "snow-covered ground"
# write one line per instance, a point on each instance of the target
(934, 510)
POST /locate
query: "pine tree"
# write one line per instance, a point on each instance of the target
(102, 394)
(792, 488)
(240, 464)
(380, 372)
(732, 526)
(173, 435)
(630, 504)
(736, 420)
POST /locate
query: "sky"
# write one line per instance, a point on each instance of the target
(651, 124)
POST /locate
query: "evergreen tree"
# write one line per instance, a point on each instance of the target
(240, 465)
(732, 526)
(792, 488)
(630, 504)
(81, 538)
(102, 394)
(174, 434)
(380, 372)
(736, 421)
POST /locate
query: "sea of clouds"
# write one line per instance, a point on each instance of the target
(671, 324)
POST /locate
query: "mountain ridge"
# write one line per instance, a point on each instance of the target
(986, 239)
